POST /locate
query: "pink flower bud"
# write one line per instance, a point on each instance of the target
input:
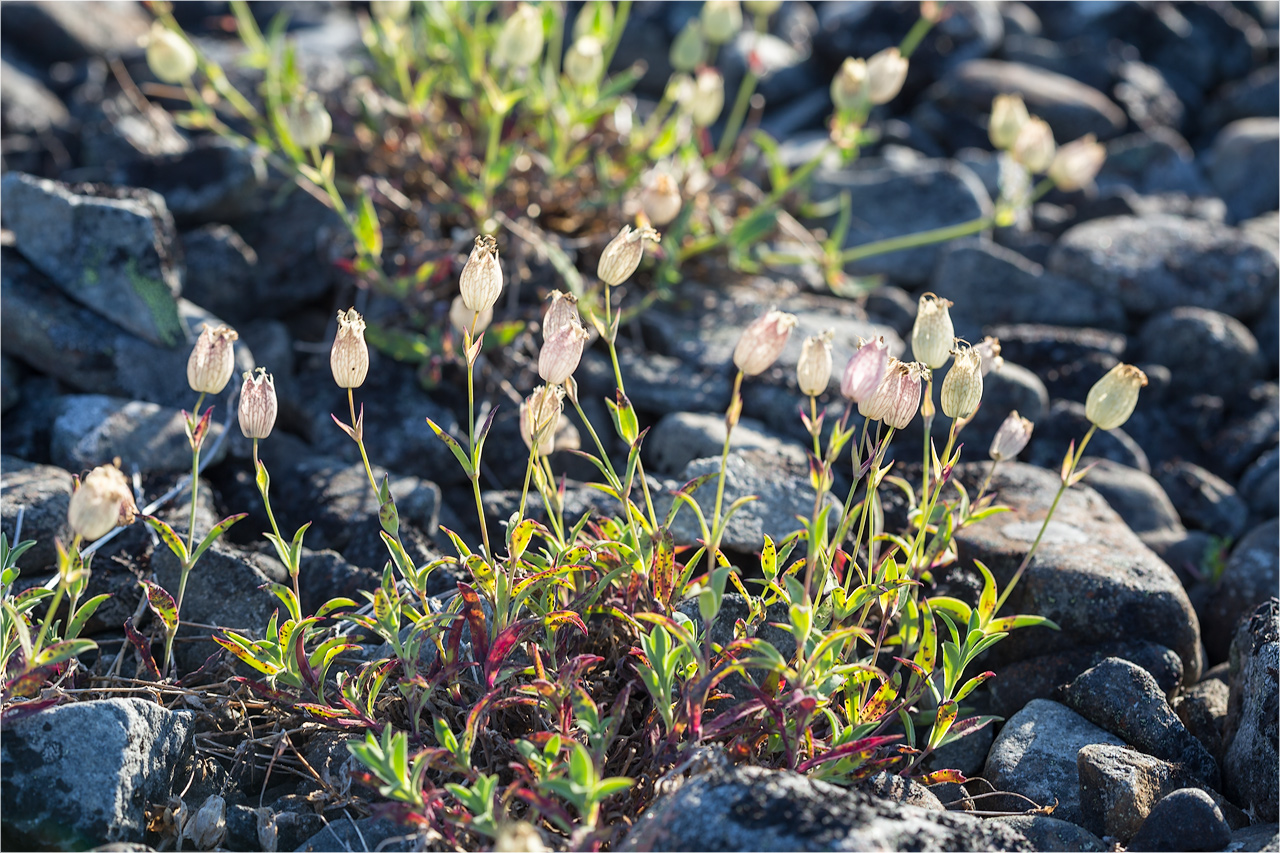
(898, 396)
(561, 353)
(481, 279)
(561, 313)
(212, 360)
(1011, 438)
(257, 405)
(763, 341)
(623, 254)
(100, 503)
(813, 371)
(865, 370)
(349, 357)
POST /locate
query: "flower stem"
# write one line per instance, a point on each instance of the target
(920, 238)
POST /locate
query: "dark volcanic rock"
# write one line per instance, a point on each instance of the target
(1249, 768)
(1187, 819)
(1251, 576)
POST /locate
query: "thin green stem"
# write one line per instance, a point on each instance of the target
(920, 238)
(915, 35)
(735, 406)
(927, 506)
(195, 475)
(733, 126)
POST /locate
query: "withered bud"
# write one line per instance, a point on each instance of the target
(989, 349)
(813, 371)
(539, 415)
(962, 389)
(349, 357)
(208, 826)
(763, 341)
(212, 360)
(933, 334)
(257, 404)
(481, 279)
(1113, 397)
(622, 256)
(100, 503)
(1011, 437)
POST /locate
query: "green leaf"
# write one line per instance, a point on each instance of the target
(986, 601)
(458, 452)
(520, 537)
(367, 231)
(58, 652)
(1008, 623)
(218, 529)
(161, 604)
(170, 538)
(82, 614)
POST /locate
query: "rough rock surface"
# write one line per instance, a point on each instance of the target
(1250, 764)
(1187, 819)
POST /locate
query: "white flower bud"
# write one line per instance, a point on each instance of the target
(308, 122)
(621, 257)
(849, 86)
(481, 279)
(212, 360)
(1113, 397)
(519, 837)
(721, 20)
(1011, 437)
(169, 56)
(561, 314)
(989, 349)
(561, 353)
(539, 416)
(100, 503)
(584, 62)
(962, 389)
(933, 334)
(763, 341)
(763, 8)
(519, 43)
(1077, 163)
(886, 72)
(689, 48)
(813, 371)
(660, 197)
(349, 356)
(897, 398)
(463, 318)
(257, 404)
(1008, 116)
(1034, 148)
(708, 100)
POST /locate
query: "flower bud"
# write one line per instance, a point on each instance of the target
(169, 56)
(689, 48)
(660, 197)
(813, 371)
(481, 279)
(1034, 147)
(208, 826)
(621, 257)
(763, 8)
(1011, 438)
(1077, 163)
(989, 350)
(933, 334)
(464, 319)
(593, 19)
(1113, 397)
(518, 837)
(896, 398)
(308, 122)
(584, 63)
(561, 353)
(561, 314)
(101, 502)
(680, 91)
(539, 415)
(708, 98)
(257, 404)
(962, 389)
(349, 357)
(1008, 116)
(886, 72)
(212, 360)
(763, 341)
(519, 41)
(390, 10)
(721, 20)
(865, 370)
(849, 86)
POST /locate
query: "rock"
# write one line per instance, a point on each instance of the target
(81, 774)
(1039, 677)
(682, 437)
(110, 249)
(47, 330)
(991, 285)
(893, 307)
(92, 429)
(901, 790)
(1255, 95)
(1120, 786)
(297, 240)
(327, 575)
(1206, 351)
(374, 833)
(1202, 708)
(1243, 168)
(1034, 755)
(656, 383)
(1136, 496)
(212, 180)
(1052, 834)
(293, 828)
(1156, 161)
(1146, 96)
(907, 197)
(1263, 836)
(10, 380)
(1125, 700)
(1251, 575)
(1249, 765)
(1253, 429)
(42, 493)
(77, 30)
(751, 808)
(1187, 819)
(1267, 327)
(1190, 553)
(114, 132)
(1091, 575)
(1066, 422)
(1153, 262)
(1068, 360)
(1203, 499)
(29, 107)
(221, 273)
(1259, 487)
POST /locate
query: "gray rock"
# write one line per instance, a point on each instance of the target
(81, 774)
(1070, 107)
(656, 383)
(1153, 262)
(77, 30)
(220, 272)
(1069, 360)
(907, 197)
(1255, 95)
(1251, 575)
(992, 285)
(1208, 352)
(1091, 574)
(93, 429)
(1249, 766)
(297, 239)
(1136, 496)
(751, 808)
(1267, 326)
(1034, 755)
(1187, 819)
(1243, 167)
(211, 180)
(1046, 833)
(1190, 553)
(1203, 499)
(681, 437)
(1012, 387)
(900, 789)
(369, 833)
(48, 331)
(1125, 700)
(1120, 786)
(293, 828)
(1253, 429)
(109, 249)
(1263, 836)
(42, 493)
(1202, 708)
(1147, 96)
(1156, 161)
(1259, 487)
(1066, 422)
(10, 382)
(29, 106)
